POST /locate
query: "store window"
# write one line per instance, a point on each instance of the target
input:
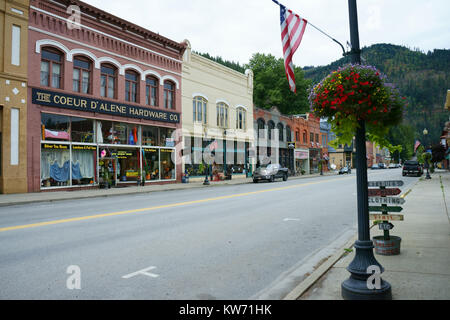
(55, 165)
(151, 165)
(167, 165)
(82, 75)
(84, 164)
(51, 68)
(166, 139)
(82, 130)
(222, 115)
(149, 136)
(120, 164)
(131, 86)
(169, 95)
(55, 127)
(241, 116)
(199, 105)
(151, 91)
(125, 133)
(108, 81)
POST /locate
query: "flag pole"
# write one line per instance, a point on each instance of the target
(326, 34)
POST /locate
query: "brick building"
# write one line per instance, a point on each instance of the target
(104, 99)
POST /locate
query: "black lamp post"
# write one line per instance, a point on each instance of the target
(427, 164)
(356, 287)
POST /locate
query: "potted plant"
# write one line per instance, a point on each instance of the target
(355, 95)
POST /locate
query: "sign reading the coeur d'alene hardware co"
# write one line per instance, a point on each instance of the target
(68, 101)
(396, 183)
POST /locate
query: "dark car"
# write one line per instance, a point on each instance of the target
(344, 170)
(270, 172)
(412, 167)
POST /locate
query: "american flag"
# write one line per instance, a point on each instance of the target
(292, 30)
(416, 145)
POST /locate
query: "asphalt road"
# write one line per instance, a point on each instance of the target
(229, 242)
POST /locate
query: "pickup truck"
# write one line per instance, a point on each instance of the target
(412, 167)
(270, 172)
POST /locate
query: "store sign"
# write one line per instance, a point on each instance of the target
(301, 155)
(67, 101)
(55, 146)
(74, 147)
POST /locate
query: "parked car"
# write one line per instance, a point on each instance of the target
(344, 170)
(392, 166)
(375, 167)
(270, 172)
(412, 167)
(382, 165)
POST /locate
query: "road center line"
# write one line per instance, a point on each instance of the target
(173, 205)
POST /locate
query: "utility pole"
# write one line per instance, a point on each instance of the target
(356, 287)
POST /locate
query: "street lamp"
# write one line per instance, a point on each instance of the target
(427, 165)
(356, 287)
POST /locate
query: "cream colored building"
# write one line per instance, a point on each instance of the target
(217, 114)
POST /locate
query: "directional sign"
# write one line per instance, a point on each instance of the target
(386, 217)
(385, 209)
(385, 226)
(396, 183)
(384, 192)
(386, 200)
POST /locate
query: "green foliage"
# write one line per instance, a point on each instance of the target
(402, 135)
(423, 78)
(230, 64)
(420, 154)
(271, 87)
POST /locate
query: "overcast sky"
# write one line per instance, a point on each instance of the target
(235, 29)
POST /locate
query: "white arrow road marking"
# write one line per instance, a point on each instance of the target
(143, 272)
(289, 219)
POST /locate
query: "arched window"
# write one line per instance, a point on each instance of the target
(82, 71)
(271, 127)
(305, 137)
(297, 135)
(108, 81)
(280, 128)
(151, 91)
(261, 127)
(169, 95)
(131, 86)
(222, 115)
(288, 134)
(51, 68)
(241, 118)
(199, 105)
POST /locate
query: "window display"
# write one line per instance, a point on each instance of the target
(84, 159)
(55, 165)
(82, 130)
(150, 158)
(167, 165)
(55, 127)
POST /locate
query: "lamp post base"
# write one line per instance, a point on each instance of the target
(357, 286)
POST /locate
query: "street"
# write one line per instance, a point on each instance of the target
(227, 242)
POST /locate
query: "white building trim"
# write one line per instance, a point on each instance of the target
(164, 78)
(200, 95)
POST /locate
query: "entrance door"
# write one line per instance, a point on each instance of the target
(108, 166)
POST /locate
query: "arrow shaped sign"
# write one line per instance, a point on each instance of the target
(396, 183)
(386, 217)
(386, 200)
(384, 192)
(385, 209)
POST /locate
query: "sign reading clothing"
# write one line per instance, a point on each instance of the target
(61, 100)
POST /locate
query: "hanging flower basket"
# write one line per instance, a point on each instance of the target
(354, 93)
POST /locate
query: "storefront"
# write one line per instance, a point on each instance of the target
(314, 158)
(86, 151)
(301, 161)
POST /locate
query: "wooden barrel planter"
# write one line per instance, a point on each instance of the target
(389, 247)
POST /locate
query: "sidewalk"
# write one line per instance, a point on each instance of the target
(25, 198)
(421, 271)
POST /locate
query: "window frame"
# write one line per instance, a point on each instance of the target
(108, 76)
(148, 91)
(168, 91)
(241, 124)
(51, 63)
(129, 94)
(81, 69)
(219, 107)
(204, 107)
